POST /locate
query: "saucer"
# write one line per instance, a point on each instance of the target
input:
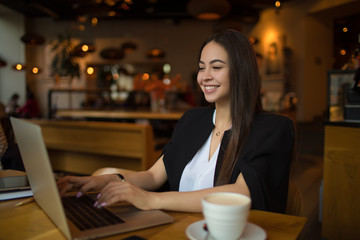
(196, 232)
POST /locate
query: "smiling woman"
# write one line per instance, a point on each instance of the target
(216, 148)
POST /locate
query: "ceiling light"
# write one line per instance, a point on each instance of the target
(208, 10)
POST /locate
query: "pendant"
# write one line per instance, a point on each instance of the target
(217, 134)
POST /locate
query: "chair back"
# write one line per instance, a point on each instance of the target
(294, 201)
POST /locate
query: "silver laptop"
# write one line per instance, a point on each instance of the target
(43, 184)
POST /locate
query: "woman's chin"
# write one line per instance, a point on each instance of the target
(210, 100)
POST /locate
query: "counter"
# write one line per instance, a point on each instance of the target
(341, 196)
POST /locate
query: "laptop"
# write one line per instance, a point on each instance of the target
(43, 184)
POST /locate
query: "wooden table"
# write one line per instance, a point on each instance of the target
(30, 222)
(120, 114)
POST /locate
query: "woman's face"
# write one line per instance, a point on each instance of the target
(213, 76)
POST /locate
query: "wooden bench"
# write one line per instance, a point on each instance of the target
(84, 146)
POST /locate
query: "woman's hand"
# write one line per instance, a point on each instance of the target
(84, 184)
(118, 191)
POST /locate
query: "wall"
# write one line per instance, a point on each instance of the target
(11, 29)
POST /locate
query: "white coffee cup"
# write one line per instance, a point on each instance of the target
(226, 214)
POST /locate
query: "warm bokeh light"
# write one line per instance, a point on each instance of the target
(19, 66)
(343, 52)
(145, 76)
(94, 21)
(253, 40)
(116, 76)
(345, 29)
(90, 70)
(156, 52)
(35, 70)
(208, 16)
(81, 27)
(85, 48)
(277, 4)
(111, 13)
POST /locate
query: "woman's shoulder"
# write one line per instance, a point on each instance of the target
(269, 122)
(199, 112)
(272, 118)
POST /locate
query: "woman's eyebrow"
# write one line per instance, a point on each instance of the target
(213, 61)
(216, 60)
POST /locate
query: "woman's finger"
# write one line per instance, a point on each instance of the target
(65, 188)
(113, 192)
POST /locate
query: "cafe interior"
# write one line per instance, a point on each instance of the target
(124, 71)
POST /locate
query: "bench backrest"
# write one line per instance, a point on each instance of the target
(125, 140)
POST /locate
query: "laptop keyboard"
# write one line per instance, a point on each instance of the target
(82, 213)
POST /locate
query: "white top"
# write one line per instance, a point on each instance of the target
(199, 172)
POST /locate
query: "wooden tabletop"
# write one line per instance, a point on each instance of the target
(120, 114)
(29, 222)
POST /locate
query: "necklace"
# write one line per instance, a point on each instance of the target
(220, 131)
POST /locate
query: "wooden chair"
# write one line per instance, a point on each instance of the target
(294, 201)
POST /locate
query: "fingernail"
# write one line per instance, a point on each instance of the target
(79, 194)
(102, 205)
(96, 203)
(98, 196)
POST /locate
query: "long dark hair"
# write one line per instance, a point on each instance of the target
(244, 94)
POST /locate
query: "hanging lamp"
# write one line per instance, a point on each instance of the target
(2, 63)
(208, 10)
(32, 39)
(128, 47)
(155, 53)
(112, 53)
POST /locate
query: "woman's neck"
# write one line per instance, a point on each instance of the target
(223, 118)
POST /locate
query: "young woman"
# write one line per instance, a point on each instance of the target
(232, 146)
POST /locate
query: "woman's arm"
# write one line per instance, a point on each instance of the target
(174, 201)
(150, 180)
(191, 201)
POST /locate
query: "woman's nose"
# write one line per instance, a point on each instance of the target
(206, 75)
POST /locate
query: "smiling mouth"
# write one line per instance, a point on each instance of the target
(211, 88)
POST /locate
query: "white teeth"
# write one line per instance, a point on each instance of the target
(210, 87)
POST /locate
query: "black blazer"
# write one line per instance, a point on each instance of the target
(264, 160)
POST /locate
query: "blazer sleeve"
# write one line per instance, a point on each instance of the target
(265, 161)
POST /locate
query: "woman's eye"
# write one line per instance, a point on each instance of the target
(217, 67)
(201, 68)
